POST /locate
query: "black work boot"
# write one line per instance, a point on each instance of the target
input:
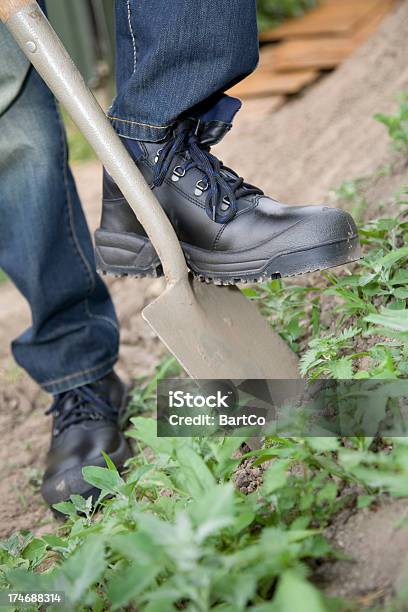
(229, 230)
(85, 423)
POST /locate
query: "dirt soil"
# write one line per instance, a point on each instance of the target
(375, 544)
(297, 153)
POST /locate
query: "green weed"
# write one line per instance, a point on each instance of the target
(397, 124)
(176, 534)
(352, 324)
(352, 193)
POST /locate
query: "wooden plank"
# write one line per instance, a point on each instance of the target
(288, 67)
(313, 53)
(372, 24)
(264, 83)
(321, 52)
(335, 17)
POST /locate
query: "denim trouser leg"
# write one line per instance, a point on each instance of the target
(174, 56)
(45, 246)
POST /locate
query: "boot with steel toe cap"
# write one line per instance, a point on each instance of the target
(229, 230)
(85, 423)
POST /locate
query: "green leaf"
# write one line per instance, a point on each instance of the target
(401, 293)
(249, 292)
(137, 547)
(127, 585)
(213, 511)
(296, 593)
(35, 551)
(400, 278)
(365, 500)
(109, 463)
(275, 476)
(177, 539)
(84, 568)
(67, 508)
(342, 368)
(16, 543)
(396, 320)
(81, 504)
(392, 258)
(54, 541)
(193, 474)
(327, 493)
(322, 444)
(103, 478)
(145, 430)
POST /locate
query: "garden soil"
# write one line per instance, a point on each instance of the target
(298, 153)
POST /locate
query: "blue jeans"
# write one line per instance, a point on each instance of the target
(172, 59)
(45, 246)
(175, 58)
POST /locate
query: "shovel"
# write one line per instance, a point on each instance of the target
(214, 332)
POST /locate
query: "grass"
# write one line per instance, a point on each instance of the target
(176, 534)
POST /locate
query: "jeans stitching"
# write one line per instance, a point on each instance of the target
(155, 127)
(56, 381)
(132, 35)
(91, 315)
(81, 254)
(86, 263)
(77, 247)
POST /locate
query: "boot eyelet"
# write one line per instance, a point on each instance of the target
(156, 159)
(178, 173)
(201, 186)
(225, 204)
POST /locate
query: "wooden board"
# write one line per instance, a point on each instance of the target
(371, 24)
(320, 40)
(313, 53)
(333, 17)
(267, 83)
(321, 52)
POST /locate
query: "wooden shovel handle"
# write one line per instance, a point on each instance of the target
(9, 7)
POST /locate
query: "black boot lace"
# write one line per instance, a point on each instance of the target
(78, 405)
(222, 185)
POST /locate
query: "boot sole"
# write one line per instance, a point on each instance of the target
(132, 255)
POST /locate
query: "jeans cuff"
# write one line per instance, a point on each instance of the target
(83, 377)
(139, 131)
